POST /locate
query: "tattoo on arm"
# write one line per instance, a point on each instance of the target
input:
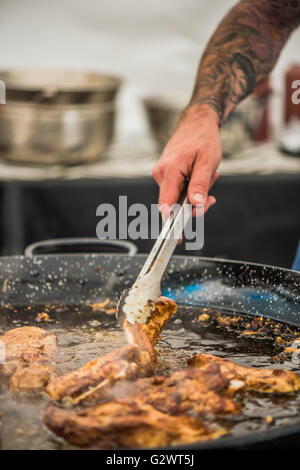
(242, 52)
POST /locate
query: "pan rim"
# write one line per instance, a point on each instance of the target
(144, 255)
(257, 437)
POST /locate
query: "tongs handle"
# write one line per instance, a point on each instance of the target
(167, 241)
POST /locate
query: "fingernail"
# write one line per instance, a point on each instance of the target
(199, 198)
(164, 212)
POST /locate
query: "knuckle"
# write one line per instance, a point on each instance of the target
(198, 186)
(155, 173)
(161, 167)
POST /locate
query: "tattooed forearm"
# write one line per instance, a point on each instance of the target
(242, 52)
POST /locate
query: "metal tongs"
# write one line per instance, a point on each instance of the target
(134, 302)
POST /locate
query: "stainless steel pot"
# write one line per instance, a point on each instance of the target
(56, 117)
(162, 115)
(60, 134)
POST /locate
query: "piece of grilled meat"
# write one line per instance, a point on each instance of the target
(148, 412)
(149, 332)
(26, 351)
(185, 391)
(136, 360)
(125, 423)
(92, 379)
(188, 391)
(241, 378)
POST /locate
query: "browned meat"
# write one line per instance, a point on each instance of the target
(29, 344)
(97, 375)
(148, 412)
(32, 378)
(188, 391)
(162, 311)
(166, 410)
(26, 348)
(125, 423)
(202, 392)
(136, 360)
(248, 378)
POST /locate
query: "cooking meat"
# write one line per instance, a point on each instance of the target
(125, 423)
(187, 392)
(31, 378)
(95, 376)
(165, 410)
(148, 412)
(138, 333)
(27, 349)
(248, 378)
(29, 344)
(136, 360)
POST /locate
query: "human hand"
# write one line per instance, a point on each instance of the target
(194, 151)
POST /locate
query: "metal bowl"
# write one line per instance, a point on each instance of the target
(163, 116)
(56, 116)
(60, 134)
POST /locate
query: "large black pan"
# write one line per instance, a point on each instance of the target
(230, 286)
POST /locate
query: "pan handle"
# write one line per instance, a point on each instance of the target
(79, 245)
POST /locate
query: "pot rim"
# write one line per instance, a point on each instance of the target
(58, 80)
(12, 106)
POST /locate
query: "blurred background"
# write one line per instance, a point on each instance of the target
(155, 47)
(61, 156)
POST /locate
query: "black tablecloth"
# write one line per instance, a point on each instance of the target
(256, 218)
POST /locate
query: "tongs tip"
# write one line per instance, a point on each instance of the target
(134, 305)
(120, 314)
